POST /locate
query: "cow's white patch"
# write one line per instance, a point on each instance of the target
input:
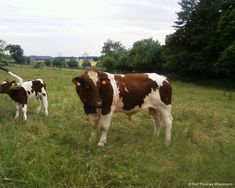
(28, 87)
(157, 78)
(40, 81)
(93, 76)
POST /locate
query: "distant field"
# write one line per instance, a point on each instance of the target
(54, 151)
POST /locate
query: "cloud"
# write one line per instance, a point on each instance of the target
(73, 27)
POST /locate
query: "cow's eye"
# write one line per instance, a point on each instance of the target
(87, 86)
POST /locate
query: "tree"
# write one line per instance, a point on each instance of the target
(16, 52)
(112, 52)
(112, 48)
(2, 46)
(28, 60)
(226, 62)
(195, 46)
(72, 63)
(86, 64)
(108, 62)
(145, 55)
(226, 23)
(58, 62)
(48, 62)
(123, 62)
(187, 6)
(2, 51)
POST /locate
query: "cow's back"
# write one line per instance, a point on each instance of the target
(136, 91)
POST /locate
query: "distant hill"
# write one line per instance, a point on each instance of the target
(35, 57)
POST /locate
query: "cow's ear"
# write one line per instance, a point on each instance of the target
(104, 81)
(78, 81)
(13, 83)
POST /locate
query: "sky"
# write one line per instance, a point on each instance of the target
(76, 27)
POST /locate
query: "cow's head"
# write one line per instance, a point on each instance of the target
(6, 86)
(88, 87)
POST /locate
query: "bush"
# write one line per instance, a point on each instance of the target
(226, 63)
(86, 64)
(72, 63)
(47, 62)
(38, 65)
(108, 63)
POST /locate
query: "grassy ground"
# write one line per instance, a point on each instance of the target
(54, 151)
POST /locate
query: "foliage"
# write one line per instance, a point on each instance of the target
(54, 151)
(48, 62)
(58, 62)
(112, 55)
(38, 65)
(72, 63)
(187, 6)
(226, 62)
(123, 63)
(112, 49)
(2, 46)
(86, 64)
(145, 55)
(28, 60)
(108, 62)
(198, 43)
(16, 52)
(2, 52)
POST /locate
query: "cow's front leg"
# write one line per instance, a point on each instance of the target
(105, 123)
(94, 120)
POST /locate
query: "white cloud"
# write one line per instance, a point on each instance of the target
(72, 27)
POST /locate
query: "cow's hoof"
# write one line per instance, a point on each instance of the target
(100, 144)
(167, 142)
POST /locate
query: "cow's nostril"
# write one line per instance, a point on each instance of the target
(99, 103)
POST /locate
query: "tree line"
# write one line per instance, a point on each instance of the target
(203, 44)
(16, 55)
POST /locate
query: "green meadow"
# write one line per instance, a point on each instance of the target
(54, 151)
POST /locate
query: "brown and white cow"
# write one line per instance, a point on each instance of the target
(20, 92)
(103, 94)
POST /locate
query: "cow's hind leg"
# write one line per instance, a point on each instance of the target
(38, 104)
(167, 122)
(155, 115)
(105, 123)
(45, 103)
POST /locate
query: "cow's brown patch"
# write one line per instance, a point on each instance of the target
(106, 93)
(165, 92)
(17, 94)
(37, 86)
(134, 88)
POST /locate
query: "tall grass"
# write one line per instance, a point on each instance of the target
(54, 151)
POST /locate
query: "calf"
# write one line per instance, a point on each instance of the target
(103, 94)
(21, 92)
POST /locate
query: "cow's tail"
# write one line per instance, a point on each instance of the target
(20, 80)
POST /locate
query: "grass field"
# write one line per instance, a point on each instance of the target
(54, 151)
